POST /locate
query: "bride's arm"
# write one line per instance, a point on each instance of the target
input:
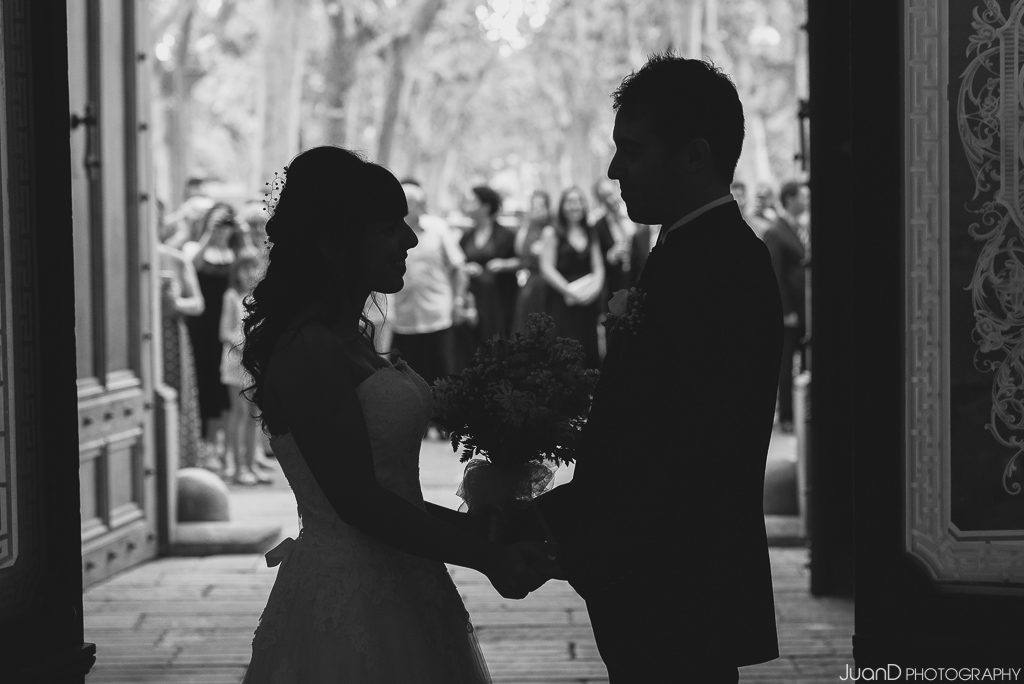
(315, 390)
(462, 521)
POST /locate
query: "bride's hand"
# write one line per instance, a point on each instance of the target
(517, 569)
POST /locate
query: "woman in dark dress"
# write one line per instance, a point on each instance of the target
(212, 257)
(572, 264)
(533, 295)
(491, 265)
(180, 300)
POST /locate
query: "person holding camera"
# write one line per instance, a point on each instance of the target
(212, 256)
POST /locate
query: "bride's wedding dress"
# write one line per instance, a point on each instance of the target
(347, 608)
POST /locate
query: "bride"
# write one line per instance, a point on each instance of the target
(362, 595)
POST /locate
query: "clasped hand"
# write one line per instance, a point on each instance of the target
(517, 569)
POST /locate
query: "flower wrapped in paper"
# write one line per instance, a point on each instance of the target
(515, 412)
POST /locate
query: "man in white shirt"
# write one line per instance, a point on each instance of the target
(421, 314)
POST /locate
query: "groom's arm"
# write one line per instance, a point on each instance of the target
(560, 504)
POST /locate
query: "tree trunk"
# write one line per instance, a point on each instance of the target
(686, 27)
(397, 56)
(713, 38)
(760, 159)
(400, 50)
(284, 56)
(629, 32)
(179, 114)
(342, 67)
(353, 115)
(582, 157)
(444, 191)
(695, 47)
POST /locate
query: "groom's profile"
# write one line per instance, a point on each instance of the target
(662, 529)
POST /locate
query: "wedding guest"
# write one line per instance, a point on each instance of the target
(788, 254)
(764, 214)
(212, 257)
(240, 429)
(491, 266)
(186, 222)
(571, 263)
(254, 217)
(533, 293)
(614, 233)
(640, 247)
(180, 299)
(738, 190)
(422, 311)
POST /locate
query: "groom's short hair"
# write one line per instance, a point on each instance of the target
(687, 99)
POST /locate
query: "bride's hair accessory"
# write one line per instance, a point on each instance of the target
(273, 194)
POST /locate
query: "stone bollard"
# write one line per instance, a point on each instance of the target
(202, 496)
(780, 488)
(803, 420)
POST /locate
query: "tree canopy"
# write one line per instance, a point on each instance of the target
(453, 92)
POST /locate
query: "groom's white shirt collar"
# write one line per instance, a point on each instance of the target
(699, 211)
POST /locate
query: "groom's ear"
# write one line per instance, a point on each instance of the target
(696, 155)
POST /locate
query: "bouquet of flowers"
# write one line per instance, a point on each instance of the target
(521, 403)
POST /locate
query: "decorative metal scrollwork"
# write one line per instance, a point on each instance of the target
(990, 113)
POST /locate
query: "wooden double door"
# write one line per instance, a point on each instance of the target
(114, 293)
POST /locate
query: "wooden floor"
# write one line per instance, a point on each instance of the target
(179, 620)
(191, 620)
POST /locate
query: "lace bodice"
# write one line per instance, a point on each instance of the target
(396, 403)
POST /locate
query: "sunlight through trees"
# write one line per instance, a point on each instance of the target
(450, 91)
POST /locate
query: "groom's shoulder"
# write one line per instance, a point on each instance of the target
(709, 244)
(722, 254)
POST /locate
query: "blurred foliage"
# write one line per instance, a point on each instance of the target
(514, 92)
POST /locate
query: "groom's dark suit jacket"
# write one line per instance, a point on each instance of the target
(668, 486)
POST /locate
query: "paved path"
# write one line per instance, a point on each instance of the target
(191, 619)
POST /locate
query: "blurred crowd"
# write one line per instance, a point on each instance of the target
(212, 254)
(475, 273)
(480, 271)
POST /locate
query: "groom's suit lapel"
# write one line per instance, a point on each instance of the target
(605, 414)
(632, 355)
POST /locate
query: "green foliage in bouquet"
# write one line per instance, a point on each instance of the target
(521, 399)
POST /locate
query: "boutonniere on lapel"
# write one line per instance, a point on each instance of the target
(625, 311)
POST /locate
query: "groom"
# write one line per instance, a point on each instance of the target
(661, 529)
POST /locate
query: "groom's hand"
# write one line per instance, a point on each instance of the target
(517, 569)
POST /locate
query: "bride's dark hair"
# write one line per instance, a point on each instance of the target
(327, 190)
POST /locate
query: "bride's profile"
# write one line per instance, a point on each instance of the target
(362, 594)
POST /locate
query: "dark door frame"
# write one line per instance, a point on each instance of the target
(41, 628)
(858, 443)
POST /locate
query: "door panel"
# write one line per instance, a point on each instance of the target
(117, 279)
(112, 291)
